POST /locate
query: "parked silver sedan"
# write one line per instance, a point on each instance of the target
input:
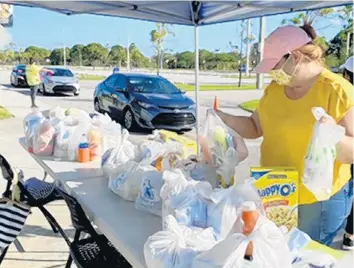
(61, 80)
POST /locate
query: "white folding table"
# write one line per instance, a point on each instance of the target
(126, 227)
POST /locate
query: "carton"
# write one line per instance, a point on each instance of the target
(278, 188)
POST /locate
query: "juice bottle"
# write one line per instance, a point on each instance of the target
(249, 216)
(83, 154)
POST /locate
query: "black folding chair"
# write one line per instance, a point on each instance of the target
(29, 195)
(94, 251)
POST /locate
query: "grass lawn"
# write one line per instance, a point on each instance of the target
(249, 106)
(188, 87)
(4, 114)
(92, 77)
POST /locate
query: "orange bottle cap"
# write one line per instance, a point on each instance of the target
(249, 206)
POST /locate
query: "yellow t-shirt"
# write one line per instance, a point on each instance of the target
(32, 74)
(287, 126)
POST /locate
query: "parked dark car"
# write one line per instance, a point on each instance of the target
(145, 101)
(18, 76)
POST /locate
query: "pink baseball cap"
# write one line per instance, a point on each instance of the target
(279, 43)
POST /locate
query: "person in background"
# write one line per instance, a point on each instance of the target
(348, 239)
(115, 70)
(34, 79)
(285, 121)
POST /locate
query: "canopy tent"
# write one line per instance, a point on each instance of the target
(192, 13)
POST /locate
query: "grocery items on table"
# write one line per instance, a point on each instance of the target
(279, 190)
(222, 148)
(319, 161)
(30, 123)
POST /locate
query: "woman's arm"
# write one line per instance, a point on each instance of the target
(247, 127)
(345, 146)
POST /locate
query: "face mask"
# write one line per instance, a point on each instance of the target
(281, 77)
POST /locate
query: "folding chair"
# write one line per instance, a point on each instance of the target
(94, 251)
(28, 195)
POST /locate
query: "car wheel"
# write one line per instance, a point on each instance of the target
(97, 106)
(129, 120)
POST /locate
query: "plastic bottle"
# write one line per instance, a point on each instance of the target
(83, 154)
(249, 216)
(95, 144)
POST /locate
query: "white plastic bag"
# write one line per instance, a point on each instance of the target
(43, 140)
(270, 247)
(222, 148)
(62, 137)
(149, 199)
(224, 208)
(122, 153)
(128, 178)
(228, 253)
(82, 128)
(30, 123)
(56, 116)
(319, 161)
(177, 246)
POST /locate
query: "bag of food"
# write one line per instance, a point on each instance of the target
(177, 246)
(43, 140)
(190, 207)
(225, 204)
(319, 161)
(120, 154)
(127, 179)
(64, 131)
(222, 148)
(30, 123)
(56, 116)
(149, 199)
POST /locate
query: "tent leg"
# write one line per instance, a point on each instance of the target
(196, 38)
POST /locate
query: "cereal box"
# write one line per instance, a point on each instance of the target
(278, 188)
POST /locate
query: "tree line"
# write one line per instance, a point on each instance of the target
(96, 54)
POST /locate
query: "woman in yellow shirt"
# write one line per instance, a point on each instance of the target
(285, 121)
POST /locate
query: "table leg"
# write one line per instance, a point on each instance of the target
(45, 175)
(18, 246)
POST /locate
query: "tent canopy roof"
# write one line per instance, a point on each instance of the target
(181, 12)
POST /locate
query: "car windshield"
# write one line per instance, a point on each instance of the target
(153, 85)
(21, 67)
(62, 72)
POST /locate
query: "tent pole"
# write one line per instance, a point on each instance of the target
(260, 77)
(196, 38)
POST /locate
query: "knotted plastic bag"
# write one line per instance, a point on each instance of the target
(321, 154)
(177, 246)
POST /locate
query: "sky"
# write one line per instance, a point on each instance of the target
(39, 27)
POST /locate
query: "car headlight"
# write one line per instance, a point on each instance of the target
(145, 105)
(193, 106)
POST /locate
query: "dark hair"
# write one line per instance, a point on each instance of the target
(309, 30)
(349, 74)
(31, 60)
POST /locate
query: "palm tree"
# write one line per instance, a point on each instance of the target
(158, 37)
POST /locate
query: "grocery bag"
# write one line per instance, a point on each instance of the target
(321, 154)
(222, 148)
(225, 204)
(149, 199)
(43, 140)
(123, 152)
(30, 123)
(177, 246)
(64, 132)
(190, 207)
(127, 179)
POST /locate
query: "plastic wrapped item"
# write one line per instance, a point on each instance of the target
(222, 148)
(73, 145)
(225, 204)
(267, 244)
(122, 153)
(307, 253)
(30, 122)
(190, 207)
(177, 246)
(319, 161)
(56, 116)
(128, 178)
(94, 138)
(43, 140)
(149, 199)
(64, 131)
(175, 182)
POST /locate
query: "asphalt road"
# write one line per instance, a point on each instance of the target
(229, 101)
